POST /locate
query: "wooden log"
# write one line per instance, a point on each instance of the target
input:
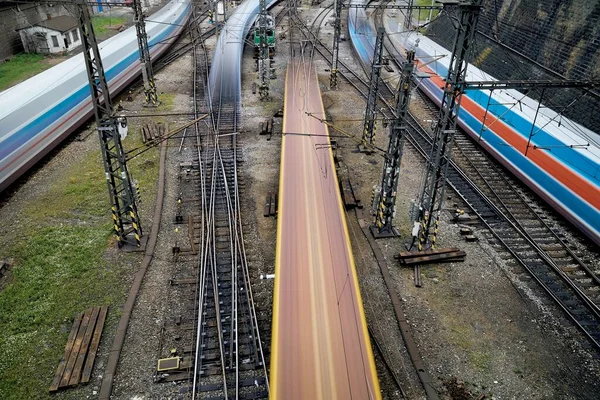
(410, 254)
(434, 258)
(87, 337)
(267, 205)
(144, 134)
(63, 361)
(89, 362)
(75, 351)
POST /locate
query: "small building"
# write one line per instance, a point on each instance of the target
(55, 35)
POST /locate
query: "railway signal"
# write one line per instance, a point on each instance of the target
(434, 182)
(371, 111)
(386, 205)
(126, 221)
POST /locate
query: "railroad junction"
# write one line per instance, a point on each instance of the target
(275, 260)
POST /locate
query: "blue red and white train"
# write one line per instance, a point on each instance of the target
(39, 113)
(561, 163)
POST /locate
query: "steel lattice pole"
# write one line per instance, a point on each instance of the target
(368, 135)
(145, 60)
(386, 206)
(125, 216)
(263, 52)
(337, 31)
(432, 191)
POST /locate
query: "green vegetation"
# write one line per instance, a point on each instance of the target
(166, 101)
(64, 262)
(103, 23)
(19, 68)
(481, 361)
(424, 14)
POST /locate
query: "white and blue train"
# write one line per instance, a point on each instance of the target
(39, 113)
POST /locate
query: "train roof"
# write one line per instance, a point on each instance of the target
(569, 132)
(20, 95)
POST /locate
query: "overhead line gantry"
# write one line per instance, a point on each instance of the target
(264, 61)
(386, 205)
(145, 60)
(369, 128)
(126, 221)
(337, 30)
(434, 182)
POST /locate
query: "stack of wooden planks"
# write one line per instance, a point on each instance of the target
(271, 205)
(451, 254)
(152, 132)
(80, 352)
(266, 128)
(346, 190)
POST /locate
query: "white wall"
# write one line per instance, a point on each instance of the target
(50, 43)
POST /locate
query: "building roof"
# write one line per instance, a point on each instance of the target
(61, 24)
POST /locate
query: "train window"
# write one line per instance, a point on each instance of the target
(75, 35)
(54, 41)
(269, 32)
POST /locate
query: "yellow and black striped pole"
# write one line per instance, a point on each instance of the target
(136, 227)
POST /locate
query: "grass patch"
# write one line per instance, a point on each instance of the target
(19, 68)
(59, 272)
(481, 361)
(423, 15)
(103, 24)
(167, 100)
(62, 266)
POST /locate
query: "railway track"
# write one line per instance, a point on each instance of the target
(519, 225)
(520, 231)
(175, 52)
(228, 357)
(533, 244)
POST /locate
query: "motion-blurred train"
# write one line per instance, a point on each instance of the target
(37, 114)
(225, 78)
(562, 161)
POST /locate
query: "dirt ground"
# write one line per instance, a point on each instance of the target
(482, 327)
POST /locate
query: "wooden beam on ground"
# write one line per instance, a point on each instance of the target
(417, 254)
(87, 337)
(63, 361)
(453, 256)
(89, 362)
(75, 351)
(267, 205)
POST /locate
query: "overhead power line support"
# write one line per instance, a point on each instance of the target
(126, 221)
(264, 62)
(434, 182)
(386, 206)
(145, 60)
(337, 31)
(408, 18)
(371, 111)
(214, 10)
